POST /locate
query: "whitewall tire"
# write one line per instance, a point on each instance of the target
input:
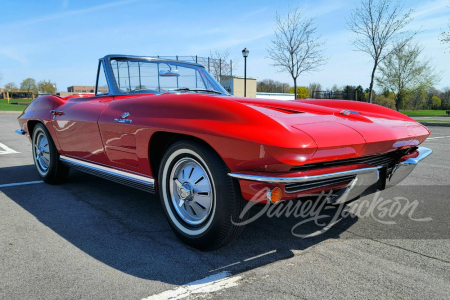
(198, 196)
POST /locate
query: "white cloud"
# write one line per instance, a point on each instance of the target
(69, 13)
(428, 8)
(14, 53)
(64, 4)
(254, 13)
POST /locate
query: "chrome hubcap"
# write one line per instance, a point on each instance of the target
(41, 152)
(191, 191)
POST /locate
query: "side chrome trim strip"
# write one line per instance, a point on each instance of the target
(303, 178)
(137, 181)
(21, 131)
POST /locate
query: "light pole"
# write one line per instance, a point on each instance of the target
(245, 54)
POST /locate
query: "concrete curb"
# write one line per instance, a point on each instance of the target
(435, 124)
(428, 116)
(10, 112)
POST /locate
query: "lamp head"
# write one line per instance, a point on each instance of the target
(245, 52)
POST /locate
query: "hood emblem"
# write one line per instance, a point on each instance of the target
(347, 112)
(125, 115)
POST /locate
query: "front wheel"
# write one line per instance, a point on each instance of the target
(46, 157)
(198, 196)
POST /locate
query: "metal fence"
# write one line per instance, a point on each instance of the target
(216, 67)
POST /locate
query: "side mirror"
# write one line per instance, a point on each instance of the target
(169, 73)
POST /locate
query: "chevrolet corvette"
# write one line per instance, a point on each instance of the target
(169, 127)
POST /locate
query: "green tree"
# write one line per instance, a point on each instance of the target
(360, 96)
(302, 92)
(436, 102)
(46, 87)
(386, 101)
(418, 100)
(10, 86)
(445, 96)
(29, 85)
(403, 73)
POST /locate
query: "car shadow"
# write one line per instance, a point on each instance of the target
(126, 229)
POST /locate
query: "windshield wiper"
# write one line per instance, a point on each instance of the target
(196, 90)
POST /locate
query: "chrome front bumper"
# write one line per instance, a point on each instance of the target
(364, 178)
(403, 169)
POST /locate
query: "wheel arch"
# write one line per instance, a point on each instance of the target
(31, 124)
(161, 140)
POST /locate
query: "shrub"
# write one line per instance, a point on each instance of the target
(436, 102)
(388, 102)
(302, 92)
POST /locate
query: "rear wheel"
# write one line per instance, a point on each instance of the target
(198, 196)
(46, 157)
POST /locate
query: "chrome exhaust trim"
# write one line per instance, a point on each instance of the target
(21, 131)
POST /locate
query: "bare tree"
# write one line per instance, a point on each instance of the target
(379, 29)
(404, 73)
(284, 87)
(221, 64)
(445, 35)
(336, 89)
(272, 86)
(296, 48)
(314, 87)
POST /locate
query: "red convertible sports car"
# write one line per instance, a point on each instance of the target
(167, 126)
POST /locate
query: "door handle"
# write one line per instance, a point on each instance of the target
(57, 112)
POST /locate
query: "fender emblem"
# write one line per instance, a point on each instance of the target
(347, 112)
(125, 115)
(122, 120)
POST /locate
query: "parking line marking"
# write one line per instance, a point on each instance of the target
(224, 267)
(208, 284)
(245, 260)
(437, 137)
(20, 183)
(261, 255)
(6, 149)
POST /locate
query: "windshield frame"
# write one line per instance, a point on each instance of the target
(113, 87)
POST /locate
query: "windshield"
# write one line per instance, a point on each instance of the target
(142, 76)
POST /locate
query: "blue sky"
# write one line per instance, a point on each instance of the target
(62, 40)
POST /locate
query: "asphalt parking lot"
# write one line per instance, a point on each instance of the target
(93, 239)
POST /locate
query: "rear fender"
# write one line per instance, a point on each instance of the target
(38, 111)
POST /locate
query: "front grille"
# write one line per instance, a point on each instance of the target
(374, 160)
(304, 186)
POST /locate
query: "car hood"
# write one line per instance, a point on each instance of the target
(344, 128)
